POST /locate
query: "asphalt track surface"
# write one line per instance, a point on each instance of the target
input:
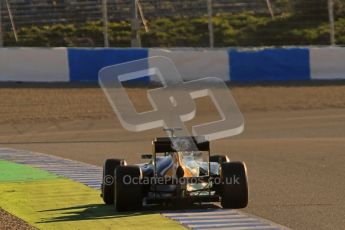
(293, 144)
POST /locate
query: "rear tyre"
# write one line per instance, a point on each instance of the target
(235, 185)
(219, 159)
(108, 179)
(128, 191)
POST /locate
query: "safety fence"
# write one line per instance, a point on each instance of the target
(171, 23)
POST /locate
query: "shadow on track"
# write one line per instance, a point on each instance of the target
(90, 85)
(102, 211)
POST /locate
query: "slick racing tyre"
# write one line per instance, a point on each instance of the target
(108, 179)
(235, 185)
(128, 191)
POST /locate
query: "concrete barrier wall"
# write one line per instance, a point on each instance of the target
(193, 64)
(34, 65)
(327, 63)
(237, 65)
(288, 64)
(84, 64)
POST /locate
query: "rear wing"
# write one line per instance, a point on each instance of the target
(165, 144)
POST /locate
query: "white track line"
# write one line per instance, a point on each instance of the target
(87, 174)
(221, 219)
(91, 176)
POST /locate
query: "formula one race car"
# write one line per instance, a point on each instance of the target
(175, 177)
